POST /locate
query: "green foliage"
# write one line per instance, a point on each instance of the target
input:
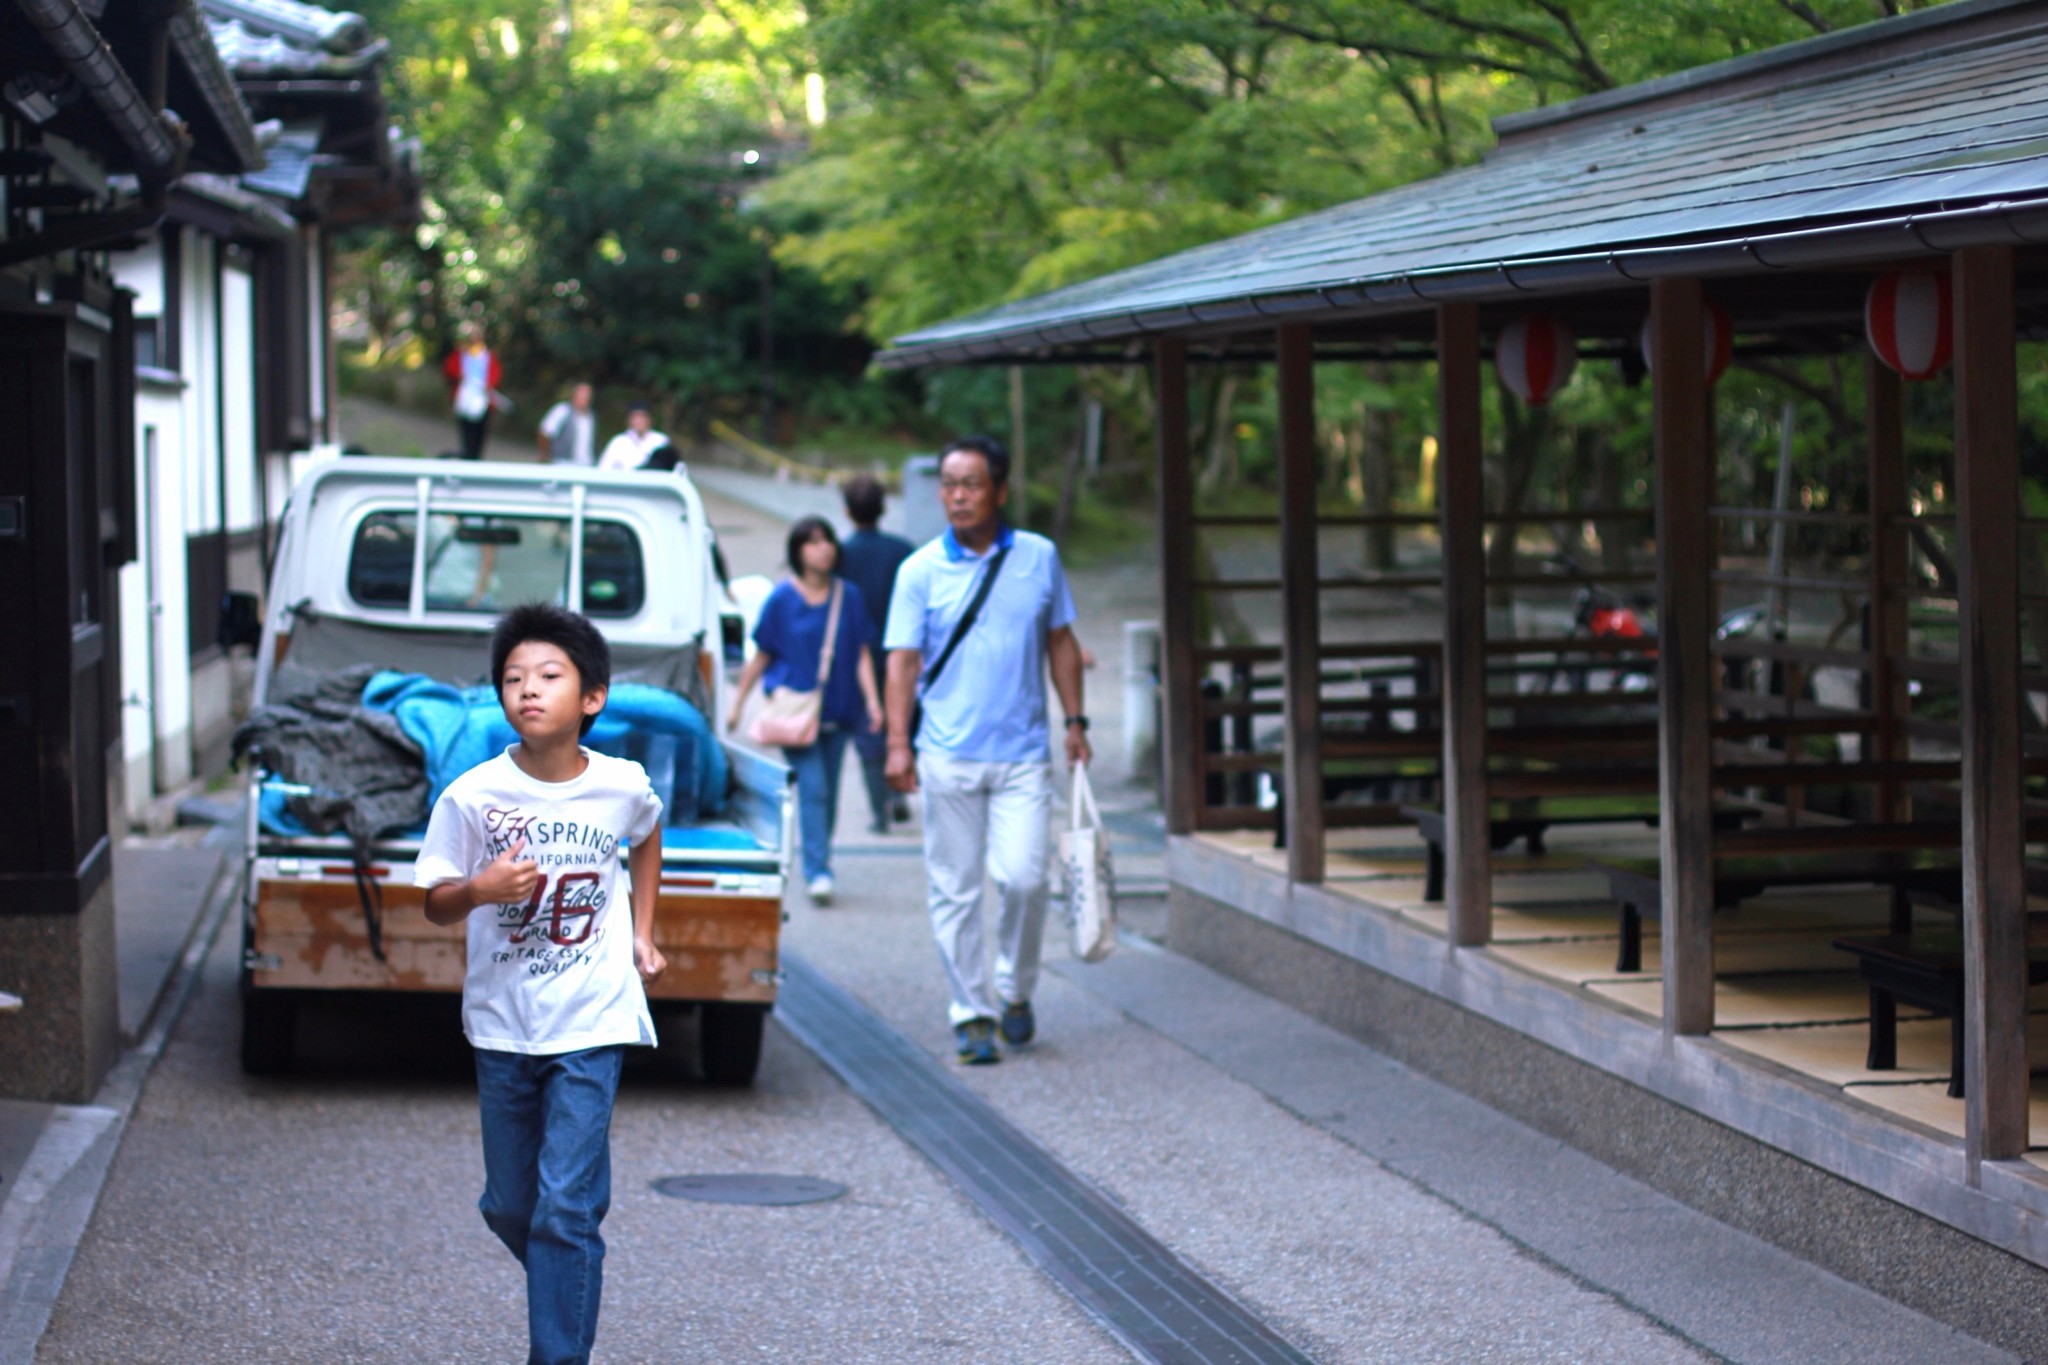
(589, 197)
(592, 169)
(998, 148)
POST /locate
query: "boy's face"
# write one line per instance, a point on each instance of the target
(543, 694)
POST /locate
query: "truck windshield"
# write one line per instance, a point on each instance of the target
(490, 562)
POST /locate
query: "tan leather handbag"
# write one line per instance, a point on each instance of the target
(791, 718)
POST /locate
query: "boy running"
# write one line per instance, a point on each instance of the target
(525, 847)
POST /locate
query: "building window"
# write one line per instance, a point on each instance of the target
(149, 344)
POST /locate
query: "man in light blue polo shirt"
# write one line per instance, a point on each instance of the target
(981, 744)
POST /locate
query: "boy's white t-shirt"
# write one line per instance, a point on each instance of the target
(556, 973)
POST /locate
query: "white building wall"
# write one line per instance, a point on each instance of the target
(238, 396)
(141, 272)
(316, 335)
(179, 712)
(200, 364)
(170, 428)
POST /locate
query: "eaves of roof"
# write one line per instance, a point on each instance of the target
(230, 115)
(2013, 222)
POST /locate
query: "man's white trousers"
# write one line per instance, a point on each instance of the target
(986, 819)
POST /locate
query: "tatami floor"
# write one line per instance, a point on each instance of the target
(1783, 992)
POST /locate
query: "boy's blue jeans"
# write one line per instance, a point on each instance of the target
(548, 1184)
(817, 797)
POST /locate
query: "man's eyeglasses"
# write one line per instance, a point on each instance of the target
(962, 485)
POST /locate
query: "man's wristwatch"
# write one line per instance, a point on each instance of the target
(1081, 721)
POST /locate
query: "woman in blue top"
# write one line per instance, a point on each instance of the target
(789, 640)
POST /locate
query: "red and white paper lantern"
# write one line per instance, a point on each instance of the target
(1910, 321)
(1719, 336)
(1535, 356)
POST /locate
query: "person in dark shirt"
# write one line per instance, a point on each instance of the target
(869, 560)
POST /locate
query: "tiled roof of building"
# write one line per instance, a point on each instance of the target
(283, 39)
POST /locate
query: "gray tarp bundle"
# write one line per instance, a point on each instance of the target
(363, 773)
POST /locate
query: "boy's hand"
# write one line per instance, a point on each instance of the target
(509, 880)
(648, 959)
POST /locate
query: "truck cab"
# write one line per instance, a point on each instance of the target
(404, 565)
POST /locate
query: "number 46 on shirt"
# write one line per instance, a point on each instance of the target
(578, 896)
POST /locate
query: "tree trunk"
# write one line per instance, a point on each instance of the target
(1219, 465)
(1522, 432)
(1376, 472)
(1072, 472)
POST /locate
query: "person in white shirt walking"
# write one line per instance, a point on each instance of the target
(568, 434)
(977, 618)
(631, 447)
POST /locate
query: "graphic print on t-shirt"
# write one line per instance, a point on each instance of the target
(549, 931)
(553, 971)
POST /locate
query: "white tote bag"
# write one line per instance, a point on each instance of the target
(1091, 880)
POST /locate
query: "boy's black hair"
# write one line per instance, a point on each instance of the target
(989, 448)
(661, 457)
(864, 499)
(568, 631)
(639, 405)
(800, 536)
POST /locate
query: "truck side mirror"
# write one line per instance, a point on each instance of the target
(241, 621)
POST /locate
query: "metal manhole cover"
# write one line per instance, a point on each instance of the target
(749, 1189)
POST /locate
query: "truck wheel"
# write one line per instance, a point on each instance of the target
(729, 1042)
(269, 1019)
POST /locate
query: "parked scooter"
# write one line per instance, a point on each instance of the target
(1601, 614)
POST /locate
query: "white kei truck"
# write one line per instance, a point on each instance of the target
(405, 565)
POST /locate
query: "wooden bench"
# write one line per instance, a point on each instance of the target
(1637, 883)
(1527, 818)
(1923, 970)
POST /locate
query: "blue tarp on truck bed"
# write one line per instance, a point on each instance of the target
(458, 728)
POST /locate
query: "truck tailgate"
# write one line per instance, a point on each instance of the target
(308, 930)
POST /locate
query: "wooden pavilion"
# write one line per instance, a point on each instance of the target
(1772, 190)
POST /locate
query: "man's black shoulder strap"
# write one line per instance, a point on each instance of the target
(988, 581)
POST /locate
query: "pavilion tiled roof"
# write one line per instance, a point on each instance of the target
(1900, 138)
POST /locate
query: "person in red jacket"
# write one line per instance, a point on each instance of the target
(473, 377)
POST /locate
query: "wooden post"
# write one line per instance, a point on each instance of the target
(1685, 666)
(1988, 646)
(1180, 729)
(1884, 419)
(1301, 645)
(1468, 844)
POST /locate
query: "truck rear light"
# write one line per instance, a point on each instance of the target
(348, 870)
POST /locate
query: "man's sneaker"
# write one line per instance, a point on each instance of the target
(1019, 1025)
(977, 1038)
(821, 890)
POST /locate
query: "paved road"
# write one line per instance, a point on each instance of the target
(331, 1216)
